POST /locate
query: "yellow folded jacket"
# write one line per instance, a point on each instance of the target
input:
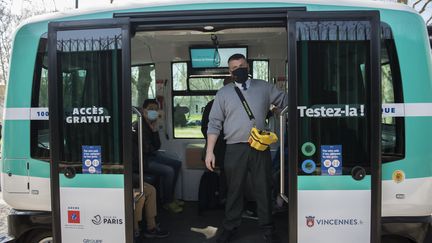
(260, 140)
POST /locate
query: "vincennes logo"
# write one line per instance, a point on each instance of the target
(310, 221)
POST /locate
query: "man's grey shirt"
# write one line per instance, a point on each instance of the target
(227, 109)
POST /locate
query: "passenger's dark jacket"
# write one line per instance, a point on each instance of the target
(151, 143)
(220, 146)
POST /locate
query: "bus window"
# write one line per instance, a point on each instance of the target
(260, 69)
(324, 56)
(143, 86)
(187, 115)
(143, 83)
(179, 75)
(336, 67)
(204, 84)
(191, 94)
(39, 129)
(392, 128)
(91, 76)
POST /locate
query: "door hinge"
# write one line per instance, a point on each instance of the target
(28, 175)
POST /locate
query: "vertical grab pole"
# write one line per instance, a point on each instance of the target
(282, 119)
(141, 155)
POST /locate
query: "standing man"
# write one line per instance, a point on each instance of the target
(240, 158)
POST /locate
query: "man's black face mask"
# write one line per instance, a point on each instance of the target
(240, 74)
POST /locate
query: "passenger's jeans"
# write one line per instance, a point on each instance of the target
(166, 168)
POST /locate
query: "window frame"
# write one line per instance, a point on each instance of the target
(393, 60)
(268, 64)
(187, 92)
(35, 151)
(172, 76)
(155, 86)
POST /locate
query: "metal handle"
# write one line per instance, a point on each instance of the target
(141, 155)
(282, 153)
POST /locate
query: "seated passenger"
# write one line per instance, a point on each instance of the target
(155, 162)
(148, 203)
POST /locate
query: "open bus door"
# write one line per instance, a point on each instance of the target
(90, 122)
(334, 127)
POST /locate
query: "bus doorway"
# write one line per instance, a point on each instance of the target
(189, 88)
(334, 127)
(89, 104)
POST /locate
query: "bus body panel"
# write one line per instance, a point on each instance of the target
(38, 195)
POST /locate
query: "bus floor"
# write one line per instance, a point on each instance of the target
(179, 225)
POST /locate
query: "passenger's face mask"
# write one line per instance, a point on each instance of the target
(152, 115)
(241, 74)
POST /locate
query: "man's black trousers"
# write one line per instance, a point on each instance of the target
(240, 159)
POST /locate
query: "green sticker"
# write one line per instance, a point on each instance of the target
(308, 149)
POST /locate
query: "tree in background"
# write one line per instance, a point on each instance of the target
(9, 21)
(421, 6)
(143, 83)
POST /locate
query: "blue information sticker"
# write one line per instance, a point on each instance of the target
(91, 159)
(308, 166)
(331, 160)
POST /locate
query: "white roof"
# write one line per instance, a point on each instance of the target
(135, 4)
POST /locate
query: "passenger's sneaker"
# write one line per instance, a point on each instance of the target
(226, 235)
(247, 214)
(172, 207)
(156, 233)
(179, 203)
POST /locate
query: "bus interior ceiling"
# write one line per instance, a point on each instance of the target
(162, 49)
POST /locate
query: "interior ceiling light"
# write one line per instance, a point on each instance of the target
(208, 27)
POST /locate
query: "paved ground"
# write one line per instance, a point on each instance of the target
(4, 210)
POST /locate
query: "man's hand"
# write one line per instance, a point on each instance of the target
(210, 161)
(210, 158)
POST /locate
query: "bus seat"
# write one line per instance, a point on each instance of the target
(194, 156)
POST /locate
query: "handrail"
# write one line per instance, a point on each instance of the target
(282, 153)
(141, 155)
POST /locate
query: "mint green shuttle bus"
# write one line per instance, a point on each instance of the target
(356, 158)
